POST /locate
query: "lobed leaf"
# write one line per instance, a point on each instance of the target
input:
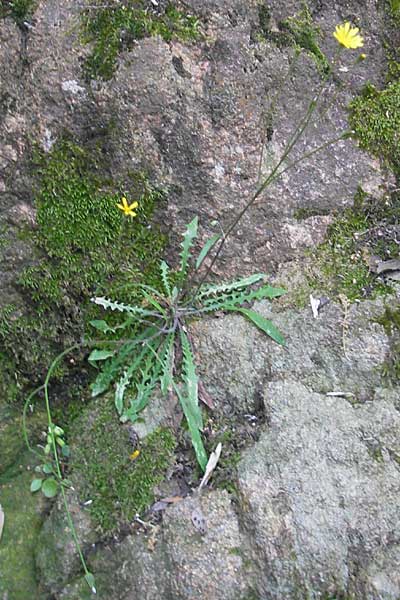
(189, 236)
(165, 270)
(210, 290)
(121, 307)
(166, 379)
(112, 367)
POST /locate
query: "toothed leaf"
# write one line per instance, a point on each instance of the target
(167, 364)
(189, 236)
(234, 285)
(121, 307)
(165, 270)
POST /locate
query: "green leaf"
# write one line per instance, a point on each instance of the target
(126, 379)
(65, 451)
(168, 364)
(190, 401)
(121, 307)
(47, 468)
(192, 417)
(50, 487)
(264, 324)
(113, 367)
(165, 270)
(36, 484)
(89, 577)
(234, 285)
(120, 391)
(266, 291)
(101, 326)
(234, 298)
(189, 236)
(153, 302)
(206, 249)
(96, 355)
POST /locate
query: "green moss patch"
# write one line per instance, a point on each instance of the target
(390, 320)
(355, 238)
(375, 119)
(114, 26)
(83, 245)
(23, 518)
(118, 483)
(19, 10)
(298, 31)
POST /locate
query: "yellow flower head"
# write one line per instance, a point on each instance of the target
(128, 209)
(348, 36)
(134, 455)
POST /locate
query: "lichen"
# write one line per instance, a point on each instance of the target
(102, 464)
(114, 27)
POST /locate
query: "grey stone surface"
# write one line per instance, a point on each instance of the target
(327, 354)
(179, 562)
(318, 505)
(201, 135)
(329, 506)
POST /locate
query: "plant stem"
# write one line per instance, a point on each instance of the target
(275, 173)
(54, 447)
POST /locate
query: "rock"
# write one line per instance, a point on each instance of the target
(327, 354)
(327, 518)
(56, 556)
(317, 510)
(12, 443)
(178, 562)
(24, 513)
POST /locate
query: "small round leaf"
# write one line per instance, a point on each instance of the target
(47, 469)
(36, 484)
(65, 450)
(50, 487)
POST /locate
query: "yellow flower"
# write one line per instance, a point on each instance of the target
(348, 36)
(128, 209)
(134, 455)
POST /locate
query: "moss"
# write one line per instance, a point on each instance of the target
(19, 10)
(394, 8)
(83, 245)
(358, 233)
(375, 119)
(23, 519)
(390, 320)
(115, 27)
(299, 31)
(12, 444)
(118, 486)
(301, 214)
